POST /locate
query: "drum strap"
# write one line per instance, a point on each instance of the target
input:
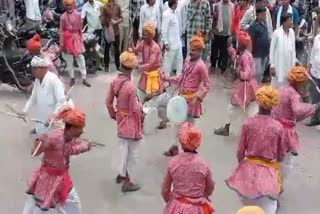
(121, 85)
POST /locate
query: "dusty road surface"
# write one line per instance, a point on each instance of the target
(94, 177)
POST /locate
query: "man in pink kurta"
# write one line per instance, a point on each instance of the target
(128, 114)
(51, 185)
(257, 179)
(151, 62)
(71, 41)
(292, 109)
(183, 192)
(193, 84)
(245, 87)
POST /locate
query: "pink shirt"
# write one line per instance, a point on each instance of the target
(47, 188)
(245, 88)
(128, 109)
(190, 176)
(151, 55)
(71, 33)
(261, 137)
(194, 78)
(291, 106)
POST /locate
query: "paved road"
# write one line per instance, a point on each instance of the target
(94, 178)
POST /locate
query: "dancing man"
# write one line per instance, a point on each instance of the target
(257, 179)
(47, 95)
(128, 114)
(51, 185)
(245, 87)
(292, 109)
(181, 177)
(195, 73)
(150, 80)
(71, 41)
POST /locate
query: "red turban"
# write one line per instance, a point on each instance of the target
(244, 38)
(34, 44)
(73, 116)
(190, 136)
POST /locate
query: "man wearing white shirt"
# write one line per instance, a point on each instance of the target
(47, 95)
(171, 38)
(124, 25)
(32, 12)
(315, 74)
(150, 12)
(92, 11)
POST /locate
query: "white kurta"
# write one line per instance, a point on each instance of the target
(47, 97)
(282, 55)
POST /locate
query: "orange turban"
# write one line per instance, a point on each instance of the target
(73, 117)
(267, 97)
(297, 74)
(190, 136)
(197, 42)
(244, 38)
(128, 59)
(149, 29)
(34, 44)
(251, 210)
(69, 2)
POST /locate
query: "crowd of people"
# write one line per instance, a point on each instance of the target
(180, 43)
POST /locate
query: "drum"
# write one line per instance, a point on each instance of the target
(177, 109)
(151, 119)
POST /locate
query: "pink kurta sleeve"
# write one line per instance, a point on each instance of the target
(245, 72)
(301, 110)
(209, 184)
(241, 152)
(206, 82)
(109, 102)
(77, 147)
(232, 53)
(135, 106)
(166, 187)
(154, 60)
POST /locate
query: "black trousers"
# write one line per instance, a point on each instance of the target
(99, 34)
(135, 30)
(219, 52)
(116, 47)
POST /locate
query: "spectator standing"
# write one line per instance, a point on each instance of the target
(134, 13)
(32, 12)
(242, 7)
(150, 12)
(286, 8)
(124, 25)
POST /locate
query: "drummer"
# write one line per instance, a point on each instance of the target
(128, 114)
(195, 73)
(150, 80)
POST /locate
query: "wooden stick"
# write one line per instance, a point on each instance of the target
(37, 149)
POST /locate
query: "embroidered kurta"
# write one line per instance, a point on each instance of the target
(128, 109)
(181, 176)
(194, 81)
(245, 88)
(52, 179)
(261, 137)
(71, 39)
(291, 110)
(151, 61)
(47, 98)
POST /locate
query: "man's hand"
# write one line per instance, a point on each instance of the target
(272, 71)
(167, 47)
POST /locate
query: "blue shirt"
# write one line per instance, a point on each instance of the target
(258, 32)
(295, 15)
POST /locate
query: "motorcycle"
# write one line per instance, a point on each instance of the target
(15, 69)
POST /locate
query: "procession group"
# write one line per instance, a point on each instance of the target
(169, 44)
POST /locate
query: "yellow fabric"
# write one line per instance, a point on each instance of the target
(267, 97)
(297, 74)
(189, 95)
(104, 1)
(153, 84)
(275, 165)
(251, 210)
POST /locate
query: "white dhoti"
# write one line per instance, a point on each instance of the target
(267, 204)
(277, 83)
(80, 61)
(286, 166)
(72, 205)
(126, 158)
(173, 60)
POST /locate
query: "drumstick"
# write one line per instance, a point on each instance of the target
(37, 149)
